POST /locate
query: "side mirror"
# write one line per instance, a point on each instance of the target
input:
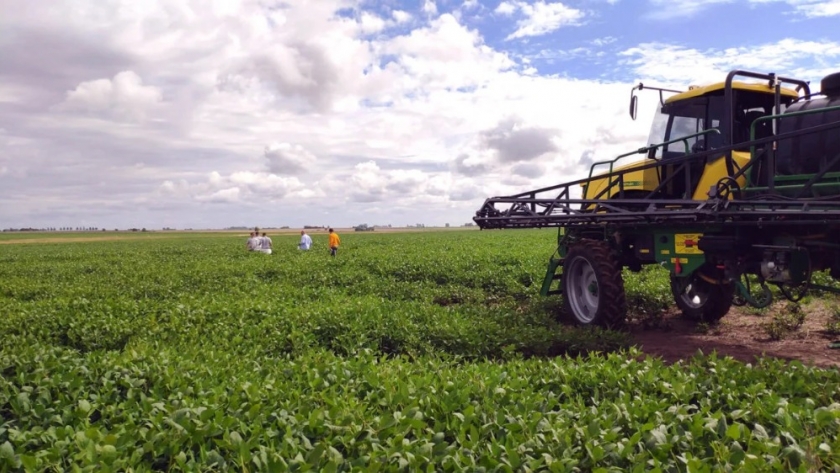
(633, 106)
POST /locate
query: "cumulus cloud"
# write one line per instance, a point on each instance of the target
(673, 64)
(808, 8)
(401, 16)
(247, 187)
(531, 170)
(122, 97)
(219, 110)
(540, 18)
(513, 141)
(284, 158)
(667, 9)
(298, 70)
(470, 165)
(369, 183)
(469, 4)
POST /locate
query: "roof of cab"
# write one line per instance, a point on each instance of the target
(703, 90)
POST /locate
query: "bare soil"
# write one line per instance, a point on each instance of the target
(742, 335)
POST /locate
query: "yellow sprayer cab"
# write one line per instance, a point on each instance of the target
(690, 114)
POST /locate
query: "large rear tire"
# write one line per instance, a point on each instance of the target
(701, 300)
(593, 289)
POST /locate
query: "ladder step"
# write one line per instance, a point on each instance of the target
(551, 276)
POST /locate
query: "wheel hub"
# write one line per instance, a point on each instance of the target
(695, 294)
(583, 290)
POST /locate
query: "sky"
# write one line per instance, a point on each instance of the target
(217, 113)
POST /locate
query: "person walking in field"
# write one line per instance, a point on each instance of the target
(334, 242)
(305, 241)
(253, 242)
(265, 244)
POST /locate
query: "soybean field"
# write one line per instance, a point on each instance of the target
(426, 351)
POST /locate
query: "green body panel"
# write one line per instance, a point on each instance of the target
(819, 189)
(667, 249)
(829, 176)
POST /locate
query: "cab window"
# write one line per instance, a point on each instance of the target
(689, 117)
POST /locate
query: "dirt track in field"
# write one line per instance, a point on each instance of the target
(742, 335)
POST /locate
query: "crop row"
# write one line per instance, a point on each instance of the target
(154, 408)
(429, 352)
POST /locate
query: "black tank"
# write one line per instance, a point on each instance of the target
(811, 153)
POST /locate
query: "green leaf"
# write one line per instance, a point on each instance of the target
(760, 433)
(7, 453)
(29, 462)
(734, 431)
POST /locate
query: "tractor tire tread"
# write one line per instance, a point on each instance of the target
(612, 306)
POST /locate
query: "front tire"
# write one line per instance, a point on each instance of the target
(701, 300)
(593, 289)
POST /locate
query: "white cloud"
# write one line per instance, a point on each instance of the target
(469, 4)
(604, 41)
(668, 9)
(513, 141)
(372, 23)
(672, 64)
(528, 170)
(234, 105)
(506, 8)
(284, 158)
(123, 97)
(401, 16)
(430, 7)
(249, 188)
(229, 195)
(539, 18)
(367, 183)
(809, 8)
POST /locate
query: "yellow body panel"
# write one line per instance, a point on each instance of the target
(641, 180)
(698, 91)
(648, 179)
(716, 171)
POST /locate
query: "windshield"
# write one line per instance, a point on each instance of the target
(658, 129)
(684, 118)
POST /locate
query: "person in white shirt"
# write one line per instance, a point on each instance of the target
(265, 244)
(253, 242)
(305, 241)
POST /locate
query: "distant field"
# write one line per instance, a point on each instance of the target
(58, 237)
(412, 351)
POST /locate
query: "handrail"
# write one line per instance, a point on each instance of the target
(648, 148)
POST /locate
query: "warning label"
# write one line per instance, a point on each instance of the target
(686, 243)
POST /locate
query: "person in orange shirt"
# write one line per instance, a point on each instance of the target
(334, 242)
